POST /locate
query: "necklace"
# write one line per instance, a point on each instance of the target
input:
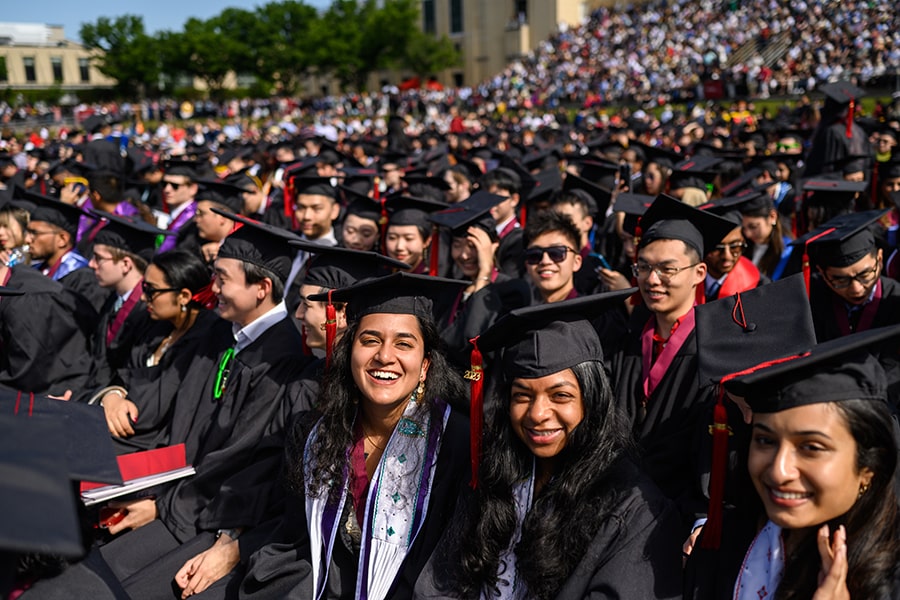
(369, 439)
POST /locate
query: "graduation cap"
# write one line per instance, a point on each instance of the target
(259, 244)
(411, 210)
(37, 500)
(95, 123)
(363, 207)
(664, 157)
(318, 186)
(853, 163)
(437, 183)
(222, 194)
(308, 167)
(734, 334)
(186, 168)
(536, 341)
(832, 192)
(833, 371)
(601, 173)
(633, 206)
(842, 241)
(50, 210)
(842, 93)
(696, 172)
(398, 293)
(134, 236)
(472, 170)
(748, 202)
(600, 197)
(546, 183)
(670, 219)
(473, 211)
(748, 178)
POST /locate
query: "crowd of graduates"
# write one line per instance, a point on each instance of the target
(630, 362)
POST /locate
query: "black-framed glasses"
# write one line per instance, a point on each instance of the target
(734, 248)
(557, 254)
(36, 232)
(101, 259)
(173, 184)
(864, 278)
(663, 271)
(151, 292)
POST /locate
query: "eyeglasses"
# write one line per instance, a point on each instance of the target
(151, 291)
(535, 254)
(35, 232)
(173, 185)
(734, 248)
(866, 277)
(664, 272)
(101, 259)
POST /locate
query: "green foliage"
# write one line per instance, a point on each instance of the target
(279, 43)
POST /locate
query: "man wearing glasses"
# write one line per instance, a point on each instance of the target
(551, 256)
(848, 292)
(655, 371)
(728, 272)
(179, 186)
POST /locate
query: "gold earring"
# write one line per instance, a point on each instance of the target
(863, 488)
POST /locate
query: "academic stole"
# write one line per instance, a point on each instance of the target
(119, 319)
(510, 585)
(869, 310)
(652, 371)
(763, 565)
(396, 506)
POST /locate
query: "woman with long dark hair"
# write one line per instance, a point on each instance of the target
(823, 460)
(374, 483)
(560, 509)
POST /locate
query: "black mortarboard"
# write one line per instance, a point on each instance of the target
(187, 168)
(741, 331)
(634, 206)
(546, 183)
(541, 340)
(600, 196)
(853, 163)
(37, 500)
(836, 370)
(399, 293)
(842, 92)
(308, 167)
(746, 179)
(601, 173)
(748, 202)
(319, 186)
(474, 210)
(695, 172)
(95, 123)
(670, 219)
(137, 237)
(259, 244)
(889, 169)
(50, 210)
(848, 239)
(474, 171)
(222, 194)
(333, 267)
(364, 208)
(437, 183)
(832, 192)
(409, 210)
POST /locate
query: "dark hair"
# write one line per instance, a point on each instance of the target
(551, 222)
(563, 519)
(872, 523)
(107, 184)
(255, 274)
(576, 198)
(117, 254)
(182, 270)
(772, 256)
(339, 401)
(502, 179)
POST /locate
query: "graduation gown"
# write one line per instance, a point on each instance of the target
(510, 254)
(633, 555)
(44, 349)
(108, 358)
(83, 282)
(281, 569)
(663, 424)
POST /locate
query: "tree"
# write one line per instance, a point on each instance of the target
(285, 40)
(128, 54)
(426, 55)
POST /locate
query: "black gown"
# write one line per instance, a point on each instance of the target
(665, 425)
(83, 281)
(510, 254)
(44, 348)
(281, 569)
(107, 359)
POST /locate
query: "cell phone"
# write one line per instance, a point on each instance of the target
(111, 516)
(603, 262)
(625, 176)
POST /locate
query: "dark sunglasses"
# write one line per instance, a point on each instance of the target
(151, 291)
(173, 185)
(557, 254)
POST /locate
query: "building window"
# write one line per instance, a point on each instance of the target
(456, 16)
(3, 74)
(28, 63)
(56, 63)
(84, 66)
(521, 11)
(428, 19)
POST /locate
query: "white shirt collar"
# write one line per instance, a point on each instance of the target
(177, 210)
(504, 224)
(244, 336)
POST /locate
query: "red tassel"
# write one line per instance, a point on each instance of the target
(476, 412)
(806, 269)
(289, 203)
(851, 112)
(434, 253)
(330, 330)
(700, 294)
(307, 351)
(205, 297)
(712, 531)
(523, 213)
(30, 403)
(18, 399)
(383, 223)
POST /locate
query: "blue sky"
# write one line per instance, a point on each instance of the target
(158, 14)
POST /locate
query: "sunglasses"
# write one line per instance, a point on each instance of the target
(557, 254)
(173, 185)
(151, 291)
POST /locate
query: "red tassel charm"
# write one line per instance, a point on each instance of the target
(851, 112)
(476, 412)
(330, 330)
(205, 296)
(289, 212)
(523, 213)
(712, 531)
(805, 263)
(383, 223)
(434, 252)
(307, 351)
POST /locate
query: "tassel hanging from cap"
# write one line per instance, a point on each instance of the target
(307, 351)
(806, 268)
(851, 112)
(476, 412)
(330, 329)
(434, 252)
(205, 296)
(712, 531)
(523, 214)
(289, 197)
(383, 223)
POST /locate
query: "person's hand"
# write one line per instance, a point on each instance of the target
(67, 395)
(485, 248)
(70, 193)
(613, 280)
(833, 574)
(208, 567)
(121, 414)
(688, 546)
(209, 251)
(137, 514)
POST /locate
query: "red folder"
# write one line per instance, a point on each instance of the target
(145, 463)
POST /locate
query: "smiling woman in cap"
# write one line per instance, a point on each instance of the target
(560, 510)
(380, 472)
